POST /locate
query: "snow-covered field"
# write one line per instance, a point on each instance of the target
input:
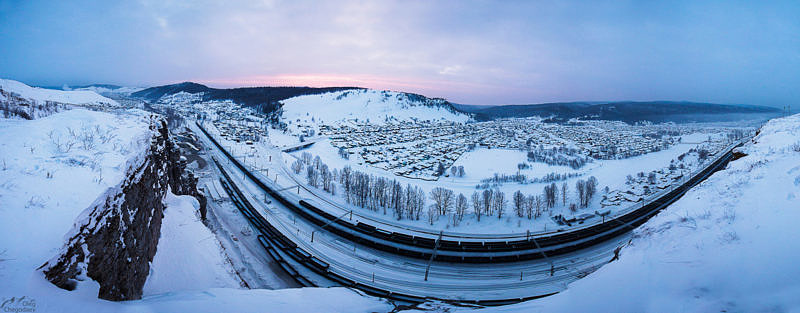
(729, 245)
(41, 94)
(482, 163)
(48, 176)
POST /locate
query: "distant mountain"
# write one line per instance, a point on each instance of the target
(627, 111)
(104, 86)
(265, 99)
(470, 108)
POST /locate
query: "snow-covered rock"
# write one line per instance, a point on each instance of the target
(46, 182)
(115, 239)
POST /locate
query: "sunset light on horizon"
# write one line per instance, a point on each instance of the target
(471, 52)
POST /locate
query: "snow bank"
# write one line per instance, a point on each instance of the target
(730, 244)
(184, 237)
(41, 94)
(49, 298)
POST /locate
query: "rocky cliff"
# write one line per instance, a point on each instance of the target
(115, 239)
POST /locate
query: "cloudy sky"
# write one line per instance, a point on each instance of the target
(482, 52)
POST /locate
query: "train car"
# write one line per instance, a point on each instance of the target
(320, 264)
(372, 290)
(288, 269)
(304, 281)
(365, 228)
(344, 281)
(302, 254)
(264, 242)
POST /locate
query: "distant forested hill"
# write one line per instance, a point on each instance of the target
(654, 111)
(263, 98)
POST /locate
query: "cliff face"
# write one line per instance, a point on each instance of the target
(114, 240)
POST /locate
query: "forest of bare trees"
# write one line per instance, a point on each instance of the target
(389, 196)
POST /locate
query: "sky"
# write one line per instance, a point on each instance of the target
(470, 52)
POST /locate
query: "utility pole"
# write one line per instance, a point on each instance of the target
(435, 248)
(552, 267)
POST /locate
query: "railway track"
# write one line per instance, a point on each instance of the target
(476, 249)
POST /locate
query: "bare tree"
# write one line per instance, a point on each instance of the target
(411, 201)
(477, 206)
(461, 205)
(306, 157)
(487, 202)
(396, 199)
(591, 189)
(539, 204)
(432, 215)
(519, 203)
(580, 189)
(564, 190)
(442, 200)
(420, 202)
(439, 170)
(554, 189)
(499, 202)
(530, 203)
(317, 162)
(311, 175)
(549, 194)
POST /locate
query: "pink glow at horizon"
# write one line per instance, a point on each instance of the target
(431, 88)
(469, 52)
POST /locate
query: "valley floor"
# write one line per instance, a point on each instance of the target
(729, 245)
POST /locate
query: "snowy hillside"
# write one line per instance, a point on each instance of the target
(110, 90)
(53, 168)
(374, 106)
(729, 245)
(40, 94)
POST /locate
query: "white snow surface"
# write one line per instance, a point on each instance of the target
(109, 91)
(36, 211)
(483, 163)
(41, 94)
(374, 105)
(183, 236)
(729, 245)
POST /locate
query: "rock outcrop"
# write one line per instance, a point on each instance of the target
(115, 239)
